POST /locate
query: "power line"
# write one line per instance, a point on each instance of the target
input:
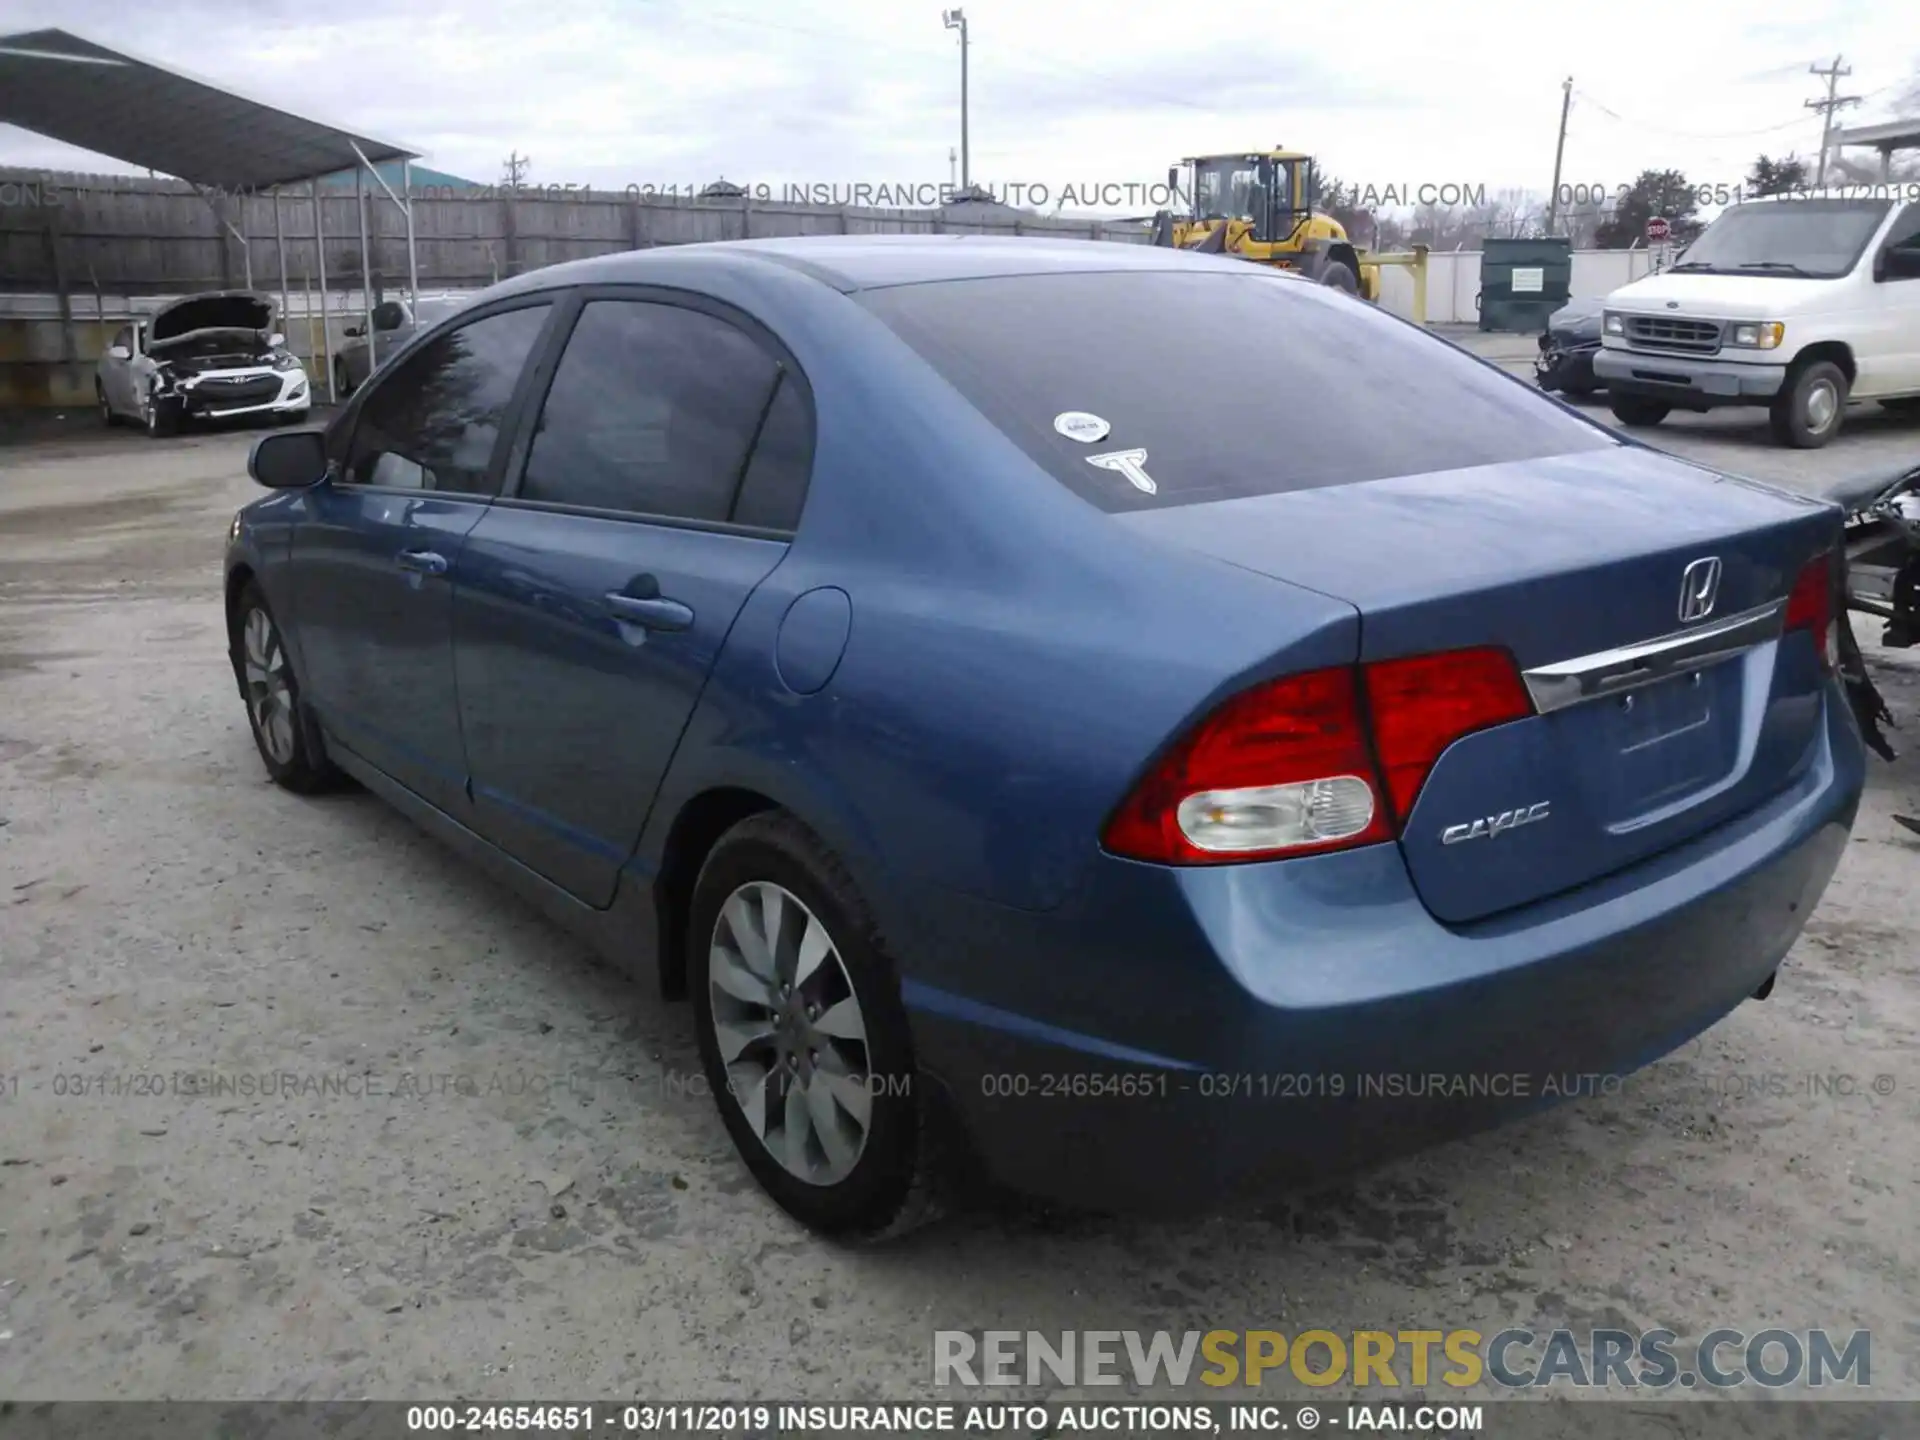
(1685, 134)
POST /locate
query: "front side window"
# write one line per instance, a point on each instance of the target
(653, 411)
(1903, 239)
(432, 423)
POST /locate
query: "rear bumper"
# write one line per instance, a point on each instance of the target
(1172, 1036)
(1690, 382)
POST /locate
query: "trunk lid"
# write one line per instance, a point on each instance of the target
(1558, 560)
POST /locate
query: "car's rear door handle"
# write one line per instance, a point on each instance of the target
(650, 612)
(422, 562)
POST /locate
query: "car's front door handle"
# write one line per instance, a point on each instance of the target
(422, 562)
(650, 612)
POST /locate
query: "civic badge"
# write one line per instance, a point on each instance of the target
(1699, 588)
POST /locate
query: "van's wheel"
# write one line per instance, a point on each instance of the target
(106, 408)
(341, 387)
(289, 745)
(1339, 276)
(1806, 413)
(1638, 410)
(803, 1035)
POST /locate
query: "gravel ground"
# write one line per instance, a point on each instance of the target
(524, 1195)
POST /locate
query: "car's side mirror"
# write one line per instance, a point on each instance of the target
(291, 460)
(119, 352)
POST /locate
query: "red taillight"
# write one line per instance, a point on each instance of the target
(1810, 606)
(1288, 768)
(1424, 703)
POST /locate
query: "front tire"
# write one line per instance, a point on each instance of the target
(342, 386)
(288, 744)
(803, 1035)
(1639, 410)
(160, 416)
(106, 406)
(1339, 276)
(1806, 414)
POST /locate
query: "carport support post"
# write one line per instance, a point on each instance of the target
(366, 265)
(413, 260)
(280, 249)
(320, 250)
(406, 209)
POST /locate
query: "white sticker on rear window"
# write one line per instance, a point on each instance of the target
(1130, 463)
(1079, 425)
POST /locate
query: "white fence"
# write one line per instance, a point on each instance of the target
(1453, 280)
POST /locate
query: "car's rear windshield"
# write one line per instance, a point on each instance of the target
(1180, 387)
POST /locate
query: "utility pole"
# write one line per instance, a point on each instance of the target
(1826, 107)
(1559, 151)
(516, 170)
(957, 20)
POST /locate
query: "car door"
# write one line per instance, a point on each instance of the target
(662, 477)
(1899, 295)
(375, 548)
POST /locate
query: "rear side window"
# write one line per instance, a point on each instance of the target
(652, 411)
(775, 485)
(1192, 387)
(432, 422)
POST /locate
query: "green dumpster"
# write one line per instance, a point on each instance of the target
(1522, 282)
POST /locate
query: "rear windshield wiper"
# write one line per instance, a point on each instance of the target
(1784, 266)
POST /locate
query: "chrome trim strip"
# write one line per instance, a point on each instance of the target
(1611, 672)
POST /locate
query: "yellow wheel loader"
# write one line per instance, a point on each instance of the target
(1260, 207)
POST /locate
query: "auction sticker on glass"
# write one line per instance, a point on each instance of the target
(1079, 425)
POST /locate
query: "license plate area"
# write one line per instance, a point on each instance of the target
(1667, 740)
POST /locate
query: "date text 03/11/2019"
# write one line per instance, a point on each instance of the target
(932, 1418)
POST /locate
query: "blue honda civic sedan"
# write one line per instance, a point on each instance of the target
(1126, 725)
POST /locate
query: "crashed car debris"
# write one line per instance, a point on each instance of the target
(213, 356)
(1567, 348)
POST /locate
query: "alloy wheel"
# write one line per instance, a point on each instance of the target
(790, 1032)
(269, 686)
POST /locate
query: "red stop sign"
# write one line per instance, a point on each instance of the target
(1658, 228)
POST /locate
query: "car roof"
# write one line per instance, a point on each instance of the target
(866, 262)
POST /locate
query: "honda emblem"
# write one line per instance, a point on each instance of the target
(1699, 588)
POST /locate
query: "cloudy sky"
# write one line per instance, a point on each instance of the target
(666, 92)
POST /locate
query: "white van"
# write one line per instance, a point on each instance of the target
(1796, 303)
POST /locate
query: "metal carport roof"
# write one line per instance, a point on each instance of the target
(114, 103)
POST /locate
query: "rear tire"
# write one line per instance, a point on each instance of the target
(1806, 414)
(107, 418)
(1339, 276)
(288, 741)
(848, 1146)
(1639, 410)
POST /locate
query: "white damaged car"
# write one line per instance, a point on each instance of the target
(214, 356)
